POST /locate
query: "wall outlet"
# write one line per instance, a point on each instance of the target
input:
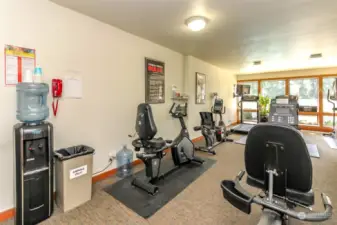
(112, 156)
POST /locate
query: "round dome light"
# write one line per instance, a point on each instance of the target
(196, 23)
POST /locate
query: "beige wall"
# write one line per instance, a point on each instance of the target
(294, 73)
(111, 64)
(217, 80)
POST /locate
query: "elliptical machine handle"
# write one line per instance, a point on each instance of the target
(223, 110)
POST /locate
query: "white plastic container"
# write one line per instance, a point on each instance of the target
(28, 77)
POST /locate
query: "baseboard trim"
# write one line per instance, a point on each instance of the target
(8, 214)
(112, 172)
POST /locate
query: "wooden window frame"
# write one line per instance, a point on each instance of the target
(320, 114)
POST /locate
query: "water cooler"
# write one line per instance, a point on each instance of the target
(33, 149)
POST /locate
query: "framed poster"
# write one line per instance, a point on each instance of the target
(154, 81)
(200, 90)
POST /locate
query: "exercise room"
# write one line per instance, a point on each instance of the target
(168, 112)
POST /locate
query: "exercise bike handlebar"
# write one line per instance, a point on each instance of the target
(178, 114)
(168, 145)
(172, 108)
(304, 216)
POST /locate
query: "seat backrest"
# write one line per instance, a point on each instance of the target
(206, 119)
(145, 125)
(281, 147)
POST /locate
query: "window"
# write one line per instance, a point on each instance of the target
(327, 121)
(253, 87)
(253, 91)
(327, 84)
(249, 117)
(306, 89)
(273, 88)
(308, 120)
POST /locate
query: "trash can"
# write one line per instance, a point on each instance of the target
(73, 174)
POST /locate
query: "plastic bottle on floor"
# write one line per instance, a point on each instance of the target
(124, 162)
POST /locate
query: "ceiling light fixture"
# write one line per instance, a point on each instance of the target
(196, 23)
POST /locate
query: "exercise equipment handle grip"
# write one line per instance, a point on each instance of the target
(172, 108)
(304, 216)
(165, 147)
(240, 175)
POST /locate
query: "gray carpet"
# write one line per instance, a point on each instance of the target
(201, 203)
(312, 148)
(331, 142)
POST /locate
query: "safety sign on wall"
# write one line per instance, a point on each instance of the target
(18, 61)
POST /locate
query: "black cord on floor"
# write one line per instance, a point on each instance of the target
(110, 162)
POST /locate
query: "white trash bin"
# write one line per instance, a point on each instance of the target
(73, 172)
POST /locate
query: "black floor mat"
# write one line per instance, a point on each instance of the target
(146, 205)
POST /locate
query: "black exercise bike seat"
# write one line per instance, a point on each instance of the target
(157, 143)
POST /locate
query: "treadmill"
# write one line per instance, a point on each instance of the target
(243, 92)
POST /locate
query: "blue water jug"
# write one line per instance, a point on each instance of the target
(124, 162)
(31, 101)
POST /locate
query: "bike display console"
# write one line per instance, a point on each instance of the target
(284, 109)
(218, 107)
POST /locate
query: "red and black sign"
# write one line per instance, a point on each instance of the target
(154, 81)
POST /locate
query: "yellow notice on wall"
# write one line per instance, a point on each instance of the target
(18, 61)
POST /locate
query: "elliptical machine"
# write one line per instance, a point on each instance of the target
(213, 134)
(331, 99)
(181, 150)
(219, 109)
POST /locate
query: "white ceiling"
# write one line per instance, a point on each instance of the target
(281, 33)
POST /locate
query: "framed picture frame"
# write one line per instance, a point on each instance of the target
(154, 81)
(200, 88)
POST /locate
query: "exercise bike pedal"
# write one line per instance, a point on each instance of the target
(213, 152)
(229, 140)
(198, 160)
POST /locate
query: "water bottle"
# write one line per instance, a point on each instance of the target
(124, 162)
(31, 102)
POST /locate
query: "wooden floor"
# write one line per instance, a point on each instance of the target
(201, 202)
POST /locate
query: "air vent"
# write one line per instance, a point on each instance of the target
(257, 63)
(314, 56)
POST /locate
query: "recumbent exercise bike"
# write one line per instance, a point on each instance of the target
(182, 150)
(214, 134)
(277, 161)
